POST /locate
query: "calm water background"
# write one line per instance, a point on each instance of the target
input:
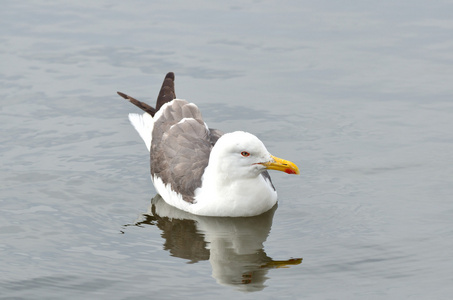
(357, 93)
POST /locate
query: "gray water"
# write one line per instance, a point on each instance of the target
(357, 93)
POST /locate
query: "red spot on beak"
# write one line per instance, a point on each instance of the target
(290, 171)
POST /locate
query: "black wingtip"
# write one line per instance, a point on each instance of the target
(170, 75)
(142, 105)
(167, 91)
(122, 95)
(166, 94)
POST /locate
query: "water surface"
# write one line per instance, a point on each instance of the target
(358, 95)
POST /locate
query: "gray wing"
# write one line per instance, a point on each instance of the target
(180, 150)
(266, 176)
(215, 134)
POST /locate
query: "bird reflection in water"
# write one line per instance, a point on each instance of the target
(233, 246)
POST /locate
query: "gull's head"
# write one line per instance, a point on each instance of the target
(242, 155)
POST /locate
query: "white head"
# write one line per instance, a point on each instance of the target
(233, 176)
(240, 154)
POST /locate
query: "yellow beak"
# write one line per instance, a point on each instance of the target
(282, 165)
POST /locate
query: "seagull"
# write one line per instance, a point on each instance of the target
(202, 170)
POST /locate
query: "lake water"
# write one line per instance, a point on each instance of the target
(358, 94)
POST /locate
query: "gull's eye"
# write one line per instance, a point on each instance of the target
(245, 153)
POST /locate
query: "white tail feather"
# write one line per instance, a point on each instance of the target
(144, 125)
